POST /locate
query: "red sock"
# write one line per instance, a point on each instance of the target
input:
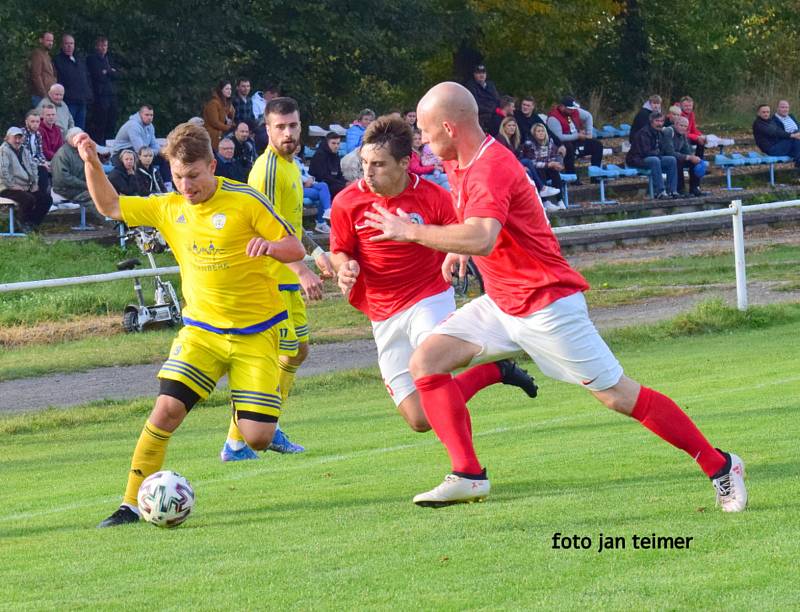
(664, 418)
(449, 418)
(473, 380)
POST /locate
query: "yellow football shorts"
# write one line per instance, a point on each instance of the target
(198, 359)
(294, 329)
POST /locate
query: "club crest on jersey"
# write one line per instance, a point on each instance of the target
(177, 350)
(180, 219)
(416, 218)
(218, 221)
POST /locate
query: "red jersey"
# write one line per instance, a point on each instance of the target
(394, 275)
(525, 271)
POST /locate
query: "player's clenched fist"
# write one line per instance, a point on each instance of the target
(348, 273)
(258, 247)
(87, 148)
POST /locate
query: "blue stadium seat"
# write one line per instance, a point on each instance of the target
(728, 163)
(566, 179)
(9, 205)
(603, 175)
(624, 129)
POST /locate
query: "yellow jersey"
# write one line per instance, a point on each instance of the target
(225, 290)
(280, 180)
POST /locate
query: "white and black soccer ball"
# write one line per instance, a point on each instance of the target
(165, 499)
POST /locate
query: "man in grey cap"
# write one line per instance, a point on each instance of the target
(19, 179)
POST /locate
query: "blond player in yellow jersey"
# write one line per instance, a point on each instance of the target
(277, 176)
(224, 235)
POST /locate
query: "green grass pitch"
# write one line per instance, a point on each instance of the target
(334, 528)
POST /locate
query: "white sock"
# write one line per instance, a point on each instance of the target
(236, 444)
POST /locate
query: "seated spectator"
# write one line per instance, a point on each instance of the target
(695, 136)
(352, 170)
(260, 136)
(431, 171)
(486, 96)
(572, 126)
(243, 103)
(218, 113)
(198, 121)
(676, 143)
(410, 117)
(647, 151)
(245, 148)
(19, 181)
(356, 131)
(506, 109)
(672, 115)
(69, 178)
(772, 138)
(149, 174)
(124, 177)
(317, 192)
(325, 164)
(52, 140)
(549, 163)
(527, 117)
(227, 165)
(32, 141)
(508, 136)
(137, 132)
(785, 118)
(55, 97)
(642, 118)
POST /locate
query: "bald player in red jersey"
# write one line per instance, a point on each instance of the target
(534, 302)
(399, 286)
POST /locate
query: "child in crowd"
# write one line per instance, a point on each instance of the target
(426, 165)
(149, 175)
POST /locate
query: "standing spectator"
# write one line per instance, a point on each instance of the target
(410, 117)
(430, 169)
(245, 148)
(772, 138)
(243, 103)
(227, 165)
(506, 109)
(32, 141)
(69, 177)
(55, 98)
(19, 181)
(527, 117)
(52, 139)
(676, 143)
(642, 118)
(572, 126)
(124, 177)
(42, 70)
(485, 94)
(696, 137)
(356, 131)
(326, 166)
(103, 119)
(74, 76)
(150, 180)
(316, 191)
(218, 112)
(548, 163)
(647, 151)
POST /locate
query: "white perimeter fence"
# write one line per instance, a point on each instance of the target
(736, 211)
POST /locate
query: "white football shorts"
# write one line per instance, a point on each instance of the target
(560, 338)
(398, 336)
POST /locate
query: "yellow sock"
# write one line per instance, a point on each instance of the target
(148, 457)
(286, 381)
(233, 431)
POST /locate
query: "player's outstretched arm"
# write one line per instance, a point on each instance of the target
(103, 194)
(285, 250)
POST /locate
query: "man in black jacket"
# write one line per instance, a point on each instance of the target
(647, 151)
(772, 138)
(74, 76)
(103, 118)
(485, 94)
(642, 118)
(325, 165)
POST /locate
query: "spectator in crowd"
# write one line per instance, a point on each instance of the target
(103, 118)
(431, 169)
(198, 121)
(74, 76)
(124, 177)
(508, 135)
(55, 97)
(549, 164)
(785, 118)
(32, 141)
(19, 181)
(672, 115)
(485, 94)
(218, 112)
(772, 138)
(227, 165)
(243, 103)
(410, 117)
(52, 139)
(696, 137)
(572, 126)
(506, 109)
(42, 70)
(642, 118)
(149, 174)
(527, 117)
(676, 143)
(352, 169)
(137, 132)
(648, 151)
(356, 130)
(245, 148)
(316, 191)
(69, 178)
(325, 164)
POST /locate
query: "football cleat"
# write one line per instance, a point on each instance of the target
(455, 490)
(731, 492)
(243, 454)
(123, 516)
(512, 374)
(282, 444)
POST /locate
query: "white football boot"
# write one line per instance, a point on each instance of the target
(731, 492)
(454, 490)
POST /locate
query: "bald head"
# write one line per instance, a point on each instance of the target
(448, 117)
(449, 102)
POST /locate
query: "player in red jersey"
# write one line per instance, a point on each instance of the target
(534, 302)
(399, 286)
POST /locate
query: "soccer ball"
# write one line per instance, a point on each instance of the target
(165, 499)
